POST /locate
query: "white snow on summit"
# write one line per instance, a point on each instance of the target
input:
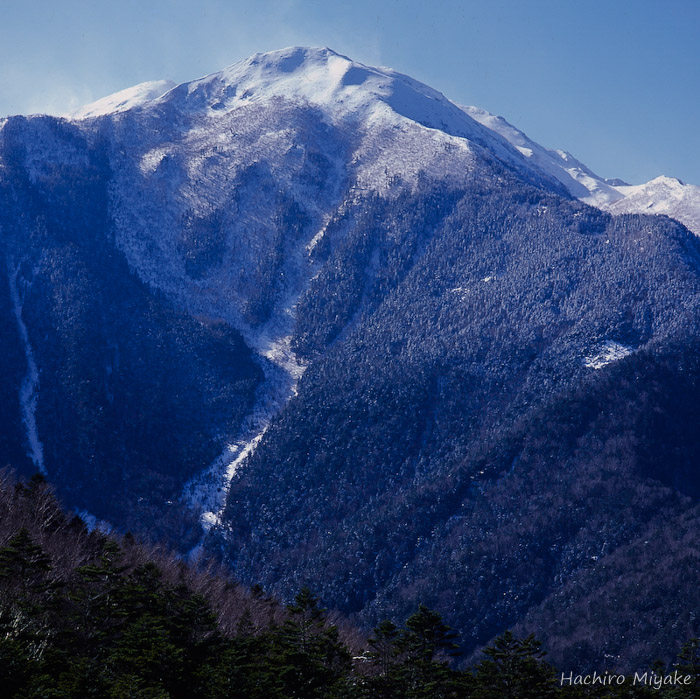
(380, 99)
(361, 98)
(662, 195)
(574, 175)
(322, 77)
(347, 92)
(123, 100)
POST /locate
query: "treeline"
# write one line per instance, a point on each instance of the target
(85, 614)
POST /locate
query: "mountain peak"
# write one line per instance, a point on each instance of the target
(319, 76)
(667, 181)
(291, 57)
(378, 99)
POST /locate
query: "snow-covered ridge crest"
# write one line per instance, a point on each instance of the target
(123, 100)
(320, 76)
(582, 182)
(381, 98)
(346, 92)
(662, 195)
(317, 76)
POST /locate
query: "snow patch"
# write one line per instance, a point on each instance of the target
(93, 523)
(152, 159)
(610, 351)
(283, 370)
(207, 492)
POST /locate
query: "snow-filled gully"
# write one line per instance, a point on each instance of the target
(29, 388)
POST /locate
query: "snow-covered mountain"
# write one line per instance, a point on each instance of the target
(380, 98)
(579, 180)
(224, 194)
(662, 195)
(346, 326)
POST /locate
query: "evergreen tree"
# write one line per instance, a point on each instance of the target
(384, 651)
(426, 634)
(28, 600)
(514, 669)
(383, 657)
(24, 565)
(312, 659)
(425, 645)
(689, 664)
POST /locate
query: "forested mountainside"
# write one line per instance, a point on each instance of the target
(89, 614)
(121, 395)
(520, 405)
(311, 319)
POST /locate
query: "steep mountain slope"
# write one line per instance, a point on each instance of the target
(150, 228)
(119, 394)
(662, 195)
(362, 339)
(456, 446)
(574, 175)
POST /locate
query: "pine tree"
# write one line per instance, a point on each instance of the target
(27, 607)
(383, 657)
(24, 565)
(93, 595)
(312, 659)
(425, 646)
(384, 652)
(426, 635)
(514, 669)
(689, 664)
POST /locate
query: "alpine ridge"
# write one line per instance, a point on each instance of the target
(317, 321)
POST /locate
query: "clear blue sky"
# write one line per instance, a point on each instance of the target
(615, 82)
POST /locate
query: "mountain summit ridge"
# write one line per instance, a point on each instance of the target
(372, 96)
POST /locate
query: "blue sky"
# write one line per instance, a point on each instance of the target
(615, 82)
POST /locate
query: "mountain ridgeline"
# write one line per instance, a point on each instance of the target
(317, 321)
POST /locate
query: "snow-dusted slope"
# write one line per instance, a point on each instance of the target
(308, 123)
(123, 100)
(222, 188)
(662, 195)
(579, 180)
(376, 100)
(348, 94)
